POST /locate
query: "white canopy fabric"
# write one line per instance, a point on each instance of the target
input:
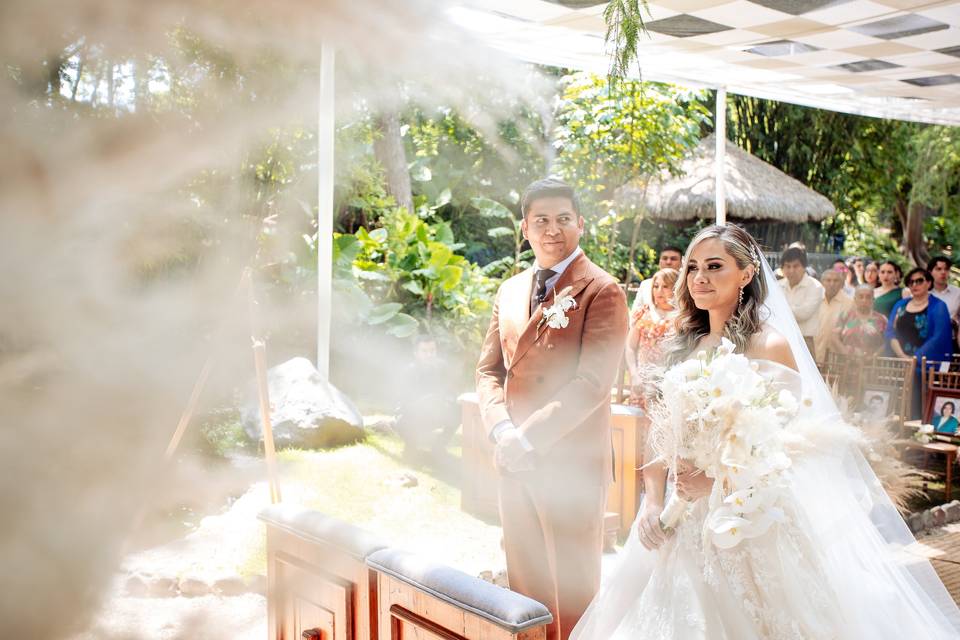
(885, 58)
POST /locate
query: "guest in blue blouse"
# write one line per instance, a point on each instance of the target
(919, 326)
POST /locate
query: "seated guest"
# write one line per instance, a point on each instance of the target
(871, 274)
(835, 302)
(859, 329)
(649, 324)
(919, 326)
(889, 292)
(670, 258)
(804, 294)
(946, 422)
(432, 406)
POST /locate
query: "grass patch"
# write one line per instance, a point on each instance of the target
(362, 484)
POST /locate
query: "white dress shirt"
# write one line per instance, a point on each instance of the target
(951, 296)
(805, 300)
(558, 268)
(830, 311)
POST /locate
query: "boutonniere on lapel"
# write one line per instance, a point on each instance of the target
(556, 314)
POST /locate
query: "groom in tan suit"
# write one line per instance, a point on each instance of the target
(545, 400)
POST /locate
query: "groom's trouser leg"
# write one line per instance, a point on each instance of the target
(553, 538)
(528, 564)
(574, 539)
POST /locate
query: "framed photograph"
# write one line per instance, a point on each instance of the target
(875, 404)
(942, 409)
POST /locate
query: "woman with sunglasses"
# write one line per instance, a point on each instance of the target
(920, 326)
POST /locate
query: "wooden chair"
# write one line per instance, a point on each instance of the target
(936, 378)
(889, 375)
(837, 373)
(944, 374)
(622, 390)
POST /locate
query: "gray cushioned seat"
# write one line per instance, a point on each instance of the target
(504, 608)
(315, 526)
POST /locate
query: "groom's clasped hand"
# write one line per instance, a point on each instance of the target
(509, 453)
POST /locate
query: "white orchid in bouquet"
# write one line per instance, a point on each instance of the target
(729, 422)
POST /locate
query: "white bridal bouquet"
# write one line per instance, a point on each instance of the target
(728, 420)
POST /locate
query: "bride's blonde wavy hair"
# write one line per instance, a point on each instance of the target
(692, 323)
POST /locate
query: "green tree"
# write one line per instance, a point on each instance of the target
(610, 133)
(936, 186)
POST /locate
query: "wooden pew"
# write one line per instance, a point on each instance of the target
(429, 601)
(318, 584)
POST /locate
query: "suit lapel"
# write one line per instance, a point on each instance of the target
(515, 312)
(575, 277)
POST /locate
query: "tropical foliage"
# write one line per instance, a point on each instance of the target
(412, 264)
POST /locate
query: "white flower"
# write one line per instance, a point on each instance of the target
(787, 401)
(725, 347)
(689, 369)
(727, 525)
(556, 314)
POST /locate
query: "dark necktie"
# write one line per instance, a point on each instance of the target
(539, 291)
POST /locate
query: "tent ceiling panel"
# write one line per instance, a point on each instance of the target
(885, 58)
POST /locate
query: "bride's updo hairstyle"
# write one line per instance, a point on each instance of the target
(693, 323)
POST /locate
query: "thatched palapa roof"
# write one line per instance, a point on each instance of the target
(755, 190)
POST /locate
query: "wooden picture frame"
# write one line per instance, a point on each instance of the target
(937, 399)
(875, 403)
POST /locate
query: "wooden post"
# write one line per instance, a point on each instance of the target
(201, 382)
(263, 391)
(325, 170)
(720, 135)
(190, 408)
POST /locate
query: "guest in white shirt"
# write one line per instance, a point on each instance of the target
(835, 302)
(940, 268)
(804, 294)
(670, 258)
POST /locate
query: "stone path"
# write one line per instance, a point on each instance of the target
(209, 584)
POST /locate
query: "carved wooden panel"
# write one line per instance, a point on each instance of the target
(310, 598)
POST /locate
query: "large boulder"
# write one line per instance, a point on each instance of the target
(305, 410)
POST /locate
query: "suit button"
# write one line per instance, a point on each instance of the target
(539, 379)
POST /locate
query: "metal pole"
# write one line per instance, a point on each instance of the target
(325, 133)
(720, 133)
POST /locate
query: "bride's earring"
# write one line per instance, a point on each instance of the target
(740, 299)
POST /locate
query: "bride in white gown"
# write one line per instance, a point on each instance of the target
(834, 566)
